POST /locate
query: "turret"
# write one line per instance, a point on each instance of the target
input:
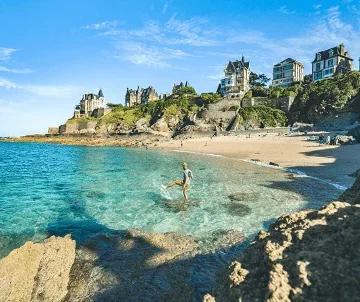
(100, 94)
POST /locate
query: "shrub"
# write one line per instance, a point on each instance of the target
(258, 116)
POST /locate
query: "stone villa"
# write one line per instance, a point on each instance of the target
(287, 72)
(91, 104)
(237, 78)
(140, 96)
(331, 61)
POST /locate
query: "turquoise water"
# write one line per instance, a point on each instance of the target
(52, 189)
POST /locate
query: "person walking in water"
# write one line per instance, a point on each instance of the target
(184, 183)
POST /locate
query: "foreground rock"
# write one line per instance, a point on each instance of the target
(37, 271)
(305, 256)
(116, 266)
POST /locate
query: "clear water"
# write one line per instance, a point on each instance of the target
(49, 189)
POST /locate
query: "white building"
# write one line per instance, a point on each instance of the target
(236, 79)
(287, 72)
(331, 61)
(89, 103)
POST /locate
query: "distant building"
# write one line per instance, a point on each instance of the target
(177, 87)
(287, 72)
(236, 79)
(331, 61)
(140, 96)
(89, 104)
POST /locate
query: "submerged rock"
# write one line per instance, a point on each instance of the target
(37, 271)
(244, 196)
(238, 209)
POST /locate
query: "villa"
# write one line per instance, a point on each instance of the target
(140, 96)
(91, 104)
(331, 61)
(287, 72)
(237, 78)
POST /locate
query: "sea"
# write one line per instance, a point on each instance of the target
(49, 189)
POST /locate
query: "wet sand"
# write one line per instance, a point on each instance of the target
(333, 163)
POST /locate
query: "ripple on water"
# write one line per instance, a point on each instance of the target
(47, 187)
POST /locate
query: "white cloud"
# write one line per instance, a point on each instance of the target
(329, 31)
(156, 44)
(165, 7)
(4, 83)
(101, 25)
(286, 11)
(15, 70)
(141, 54)
(60, 91)
(52, 90)
(5, 53)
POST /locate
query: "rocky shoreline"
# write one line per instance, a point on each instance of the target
(304, 256)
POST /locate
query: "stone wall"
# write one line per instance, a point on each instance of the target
(282, 103)
(53, 130)
(78, 127)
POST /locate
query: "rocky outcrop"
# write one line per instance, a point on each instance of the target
(132, 265)
(37, 271)
(305, 256)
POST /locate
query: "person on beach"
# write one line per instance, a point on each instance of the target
(184, 183)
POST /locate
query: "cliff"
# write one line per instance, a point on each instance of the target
(305, 256)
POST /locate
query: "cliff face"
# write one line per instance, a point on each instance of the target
(305, 256)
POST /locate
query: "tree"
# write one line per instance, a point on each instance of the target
(307, 79)
(258, 80)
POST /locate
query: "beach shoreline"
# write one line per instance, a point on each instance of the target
(298, 153)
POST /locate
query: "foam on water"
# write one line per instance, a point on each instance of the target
(53, 189)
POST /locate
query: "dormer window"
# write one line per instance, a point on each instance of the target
(318, 56)
(331, 53)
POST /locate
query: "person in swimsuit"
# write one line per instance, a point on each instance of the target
(184, 183)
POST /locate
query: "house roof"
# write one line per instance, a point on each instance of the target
(336, 51)
(233, 65)
(288, 60)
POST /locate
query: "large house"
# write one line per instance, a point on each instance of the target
(91, 104)
(331, 61)
(140, 96)
(287, 72)
(237, 78)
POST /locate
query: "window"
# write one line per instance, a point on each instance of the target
(331, 63)
(318, 66)
(318, 56)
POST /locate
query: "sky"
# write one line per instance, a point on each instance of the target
(53, 51)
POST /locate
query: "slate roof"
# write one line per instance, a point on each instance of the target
(337, 51)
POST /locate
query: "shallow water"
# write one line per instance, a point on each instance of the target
(49, 189)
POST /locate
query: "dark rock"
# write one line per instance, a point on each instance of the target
(355, 132)
(244, 196)
(237, 209)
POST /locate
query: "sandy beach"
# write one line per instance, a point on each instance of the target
(333, 163)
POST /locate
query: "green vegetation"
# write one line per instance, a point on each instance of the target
(185, 90)
(262, 116)
(174, 105)
(315, 100)
(210, 97)
(123, 115)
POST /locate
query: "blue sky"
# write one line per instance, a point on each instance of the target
(51, 52)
